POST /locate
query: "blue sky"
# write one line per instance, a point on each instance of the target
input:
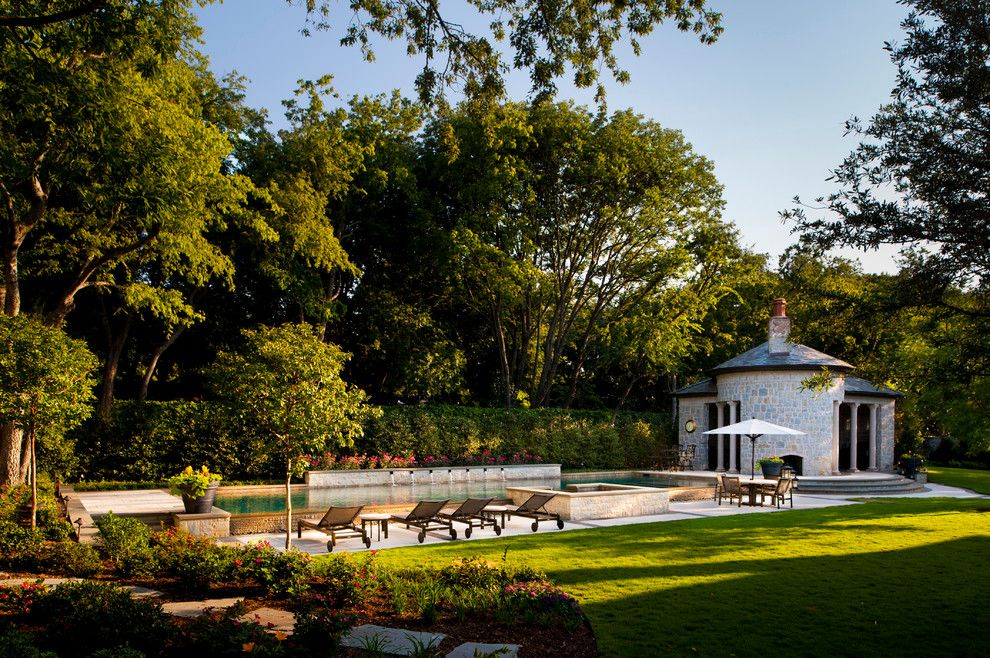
(766, 103)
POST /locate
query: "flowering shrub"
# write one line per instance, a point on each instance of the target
(18, 599)
(196, 561)
(331, 462)
(541, 602)
(320, 623)
(280, 573)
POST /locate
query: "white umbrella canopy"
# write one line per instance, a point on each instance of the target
(754, 429)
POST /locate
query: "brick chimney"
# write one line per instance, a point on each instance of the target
(779, 328)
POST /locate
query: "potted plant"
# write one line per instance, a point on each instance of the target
(197, 488)
(771, 466)
(910, 464)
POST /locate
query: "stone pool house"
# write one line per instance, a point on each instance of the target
(848, 428)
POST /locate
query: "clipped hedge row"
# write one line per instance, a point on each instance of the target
(575, 439)
(153, 440)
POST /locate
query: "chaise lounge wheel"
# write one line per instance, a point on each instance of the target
(367, 542)
(330, 546)
(467, 533)
(422, 536)
(536, 524)
(453, 533)
(498, 529)
(560, 524)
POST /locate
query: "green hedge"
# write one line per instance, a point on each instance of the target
(575, 439)
(153, 440)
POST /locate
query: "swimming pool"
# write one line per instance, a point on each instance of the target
(269, 501)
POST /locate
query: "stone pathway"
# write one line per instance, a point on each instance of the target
(472, 649)
(390, 640)
(189, 609)
(275, 620)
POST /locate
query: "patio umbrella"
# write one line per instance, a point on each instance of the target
(754, 429)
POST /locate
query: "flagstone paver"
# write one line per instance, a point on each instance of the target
(51, 582)
(391, 640)
(472, 649)
(139, 592)
(198, 608)
(273, 619)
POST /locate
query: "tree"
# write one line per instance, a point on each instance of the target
(919, 179)
(45, 384)
(564, 224)
(288, 381)
(544, 38)
(920, 176)
(112, 168)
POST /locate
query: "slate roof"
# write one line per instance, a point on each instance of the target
(859, 386)
(801, 357)
(704, 387)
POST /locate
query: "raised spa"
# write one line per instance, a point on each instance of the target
(598, 500)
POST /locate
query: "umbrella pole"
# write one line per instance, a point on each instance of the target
(752, 455)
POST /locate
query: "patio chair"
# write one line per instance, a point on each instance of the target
(784, 489)
(534, 508)
(471, 512)
(426, 517)
(338, 522)
(728, 487)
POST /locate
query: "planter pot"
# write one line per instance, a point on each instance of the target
(202, 504)
(772, 470)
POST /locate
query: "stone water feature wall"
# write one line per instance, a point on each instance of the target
(404, 476)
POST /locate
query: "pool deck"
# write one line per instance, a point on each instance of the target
(141, 502)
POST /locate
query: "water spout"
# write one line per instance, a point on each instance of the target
(391, 477)
(412, 477)
(431, 477)
(502, 474)
(450, 476)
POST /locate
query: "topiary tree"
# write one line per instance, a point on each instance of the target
(288, 381)
(45, 384)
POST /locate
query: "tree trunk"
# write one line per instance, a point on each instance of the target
(153, 363)
(288, 504)
(34, 479)
(11, 438)
(115, 347)
(503, 358)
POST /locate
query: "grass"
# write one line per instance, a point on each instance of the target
(890, 577)
(967, 478)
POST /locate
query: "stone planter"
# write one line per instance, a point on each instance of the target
(772, 469)
(203, 504)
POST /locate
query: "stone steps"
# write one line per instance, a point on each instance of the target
(885, 485)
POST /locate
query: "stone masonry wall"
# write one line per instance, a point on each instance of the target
(694, 407)
(776, 397)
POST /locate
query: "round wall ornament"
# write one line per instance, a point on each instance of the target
(691, 425)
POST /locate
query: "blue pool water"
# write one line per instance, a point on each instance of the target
(320, 499)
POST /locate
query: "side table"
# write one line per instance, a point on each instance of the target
(376, 519)
(492, 510)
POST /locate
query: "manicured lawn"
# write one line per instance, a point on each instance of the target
(890, 577)
(967, 478)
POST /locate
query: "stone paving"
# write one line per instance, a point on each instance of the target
(390, 640)
(191, 609)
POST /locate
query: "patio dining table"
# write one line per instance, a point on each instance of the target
(754, 484)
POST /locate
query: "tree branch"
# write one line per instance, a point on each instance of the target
(48, 19)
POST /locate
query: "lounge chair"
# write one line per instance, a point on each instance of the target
(471, 512)
(338, 522)
(426, 516)
(534, 509)
(728, 487)
(784, 489)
